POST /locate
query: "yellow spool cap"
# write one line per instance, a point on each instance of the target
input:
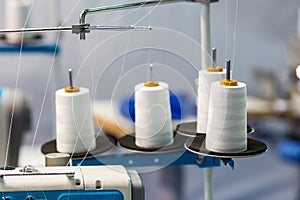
(226, 82)
(72, 89)
(151, 84)
(215, 69)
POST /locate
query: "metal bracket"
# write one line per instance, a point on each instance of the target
(80, 28)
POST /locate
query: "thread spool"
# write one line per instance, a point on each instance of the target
(205, 78)
(57, 159)
(16, 12)
(74, 122)
(153, 124)
(227, 121)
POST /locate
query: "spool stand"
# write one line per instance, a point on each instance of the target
(129, 155)
(174, 155)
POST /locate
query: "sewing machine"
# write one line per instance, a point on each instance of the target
(70, 183)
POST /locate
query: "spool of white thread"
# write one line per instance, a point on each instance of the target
(74, 123)
(153, 123)
(16, 12)
(205, 78)
(227, 121)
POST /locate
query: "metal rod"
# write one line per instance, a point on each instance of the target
(208, 184)
(205, 35)
(43, 29)
(70, 78)
(228, 70)
(38, 174)
(60, 28)
(122, 7)
(84, 13)
(119, 28)
(205, 62)
(151, 74)
(214, 57)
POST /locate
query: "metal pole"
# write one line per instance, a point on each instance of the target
(205, 35)
(205, 62)
(208, 184)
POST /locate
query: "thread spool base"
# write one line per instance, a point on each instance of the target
(128, 142)
(72, 89)
(151, 84)
(103, 144)
(189, 129)
(33, 39)
(215, 69)
(226, 82)
(197, 145)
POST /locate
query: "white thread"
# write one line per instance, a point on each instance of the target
(227, 118)
(74, 123)
(153, 123)
(205, 79)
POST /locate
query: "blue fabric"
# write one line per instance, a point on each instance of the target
(290, 149)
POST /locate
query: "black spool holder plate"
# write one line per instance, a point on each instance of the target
(188, 129)
(128, 142)
(103, 144)
(197, 146)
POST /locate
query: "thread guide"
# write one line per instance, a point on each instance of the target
(71, 88)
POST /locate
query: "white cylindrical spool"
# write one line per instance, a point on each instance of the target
(227, 121)
(205, 79)
(74, 122)
(16, 12)
(153, 123)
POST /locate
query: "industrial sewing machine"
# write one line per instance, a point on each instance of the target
(70, 183)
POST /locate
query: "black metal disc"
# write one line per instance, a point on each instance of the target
(103, 144)
(188, 129)
(197, 145)
(128, 142)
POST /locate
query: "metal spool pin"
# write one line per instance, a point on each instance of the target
(71, 87)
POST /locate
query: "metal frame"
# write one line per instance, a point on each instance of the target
(178, 158)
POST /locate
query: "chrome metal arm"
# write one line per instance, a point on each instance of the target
(77, 28)
(130, 5)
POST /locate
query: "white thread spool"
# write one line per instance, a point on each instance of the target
(227, 121)
(74, 123)
(16, 12)
(205, 78)
(153, 123)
